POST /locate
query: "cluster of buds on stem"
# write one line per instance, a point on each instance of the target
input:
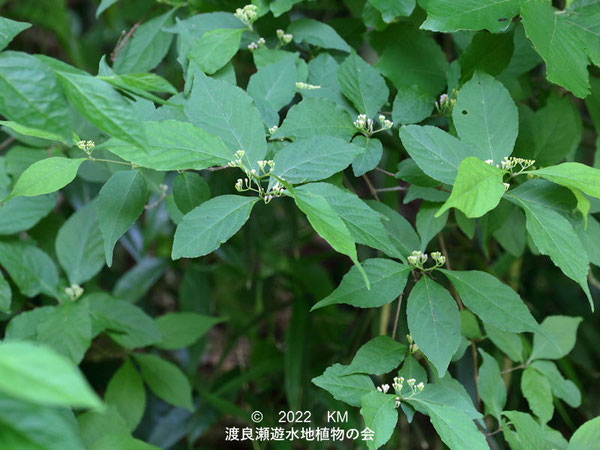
(74, 292)
(284, 38)
(412, 346)
(510, 163)
(273, 129)
(247, 15)
(383, 388)
(86, 146)
(254, 178)
(306, 86)
(365, 125)
(418, 259)
(445, 104)
(254, 45)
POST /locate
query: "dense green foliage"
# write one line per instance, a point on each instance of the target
(379, 207)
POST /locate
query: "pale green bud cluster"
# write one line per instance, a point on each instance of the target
(510, 163)
(86, 146)
(284, 38)
(365, 125)
(412, 346)
(74, 292)
(273, 129)
(247, 15)
(253, 179)
(301, 85)
(418, 259)
(398, 385)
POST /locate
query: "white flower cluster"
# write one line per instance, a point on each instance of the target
(86, 146)
(74, 292)
(398, 385)
(253, 179)
(418, 259)
(247, 15)
(365, 125)
(509, 163)
(383, 388)
(254, 45)
(444, 104)
(301, 85)
(284, 38)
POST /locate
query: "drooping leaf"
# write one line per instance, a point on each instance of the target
(562, 388)
(477, 189)
(79, 245)
(434, 322)
(190, 190)
(126, 392)
(428, 224)
(538, 392)
(166, 380)
(493, 301)
(485, 117)
(362, 85)
(556, 337)
(491, 386)
(380, 415)
(387, 279)
(348, 389)
(370, 156)
(209, 225)
(30, 131)
(574, 176)
(120, 203)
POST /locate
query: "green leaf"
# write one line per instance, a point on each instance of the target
(22, 213)
(313, 159)
(182, 329)
(5, 295)
(329, 225)
(370, 156)
(348, 389)
(93, 425)
(509, 343)
(380, 415)
(486, 117)
(436, 152)
(46, 176)
(140, 83)
(32, 95)
(378, 356)
(10, 28)
(493, 301)
(136, 282)
(387, 279)
(455, 428)
(33, 132)
(434, 322)
(29, 426)
(390, 9)
(536, 389)
(99, 103)
(490, 385)
(530, 434)
(556, 337)
(428, 224)
(554, 236)
(274, 84)
(68, 330)
(120, 203)
(317, 33)
(148, 46)
(477, 189)
(173, 145)
(316, 117)
(552, 37)
(551, 133)
(228, 112)
(573, 175)
(126, 392)
(104, 5)
(400, 232)
(125, 323)
(561, 387)
(469, 326)
(38, 375)
(166, 380)
(209, 225)
(79, 245)
(492, 15)
(215, 48)
(586, 436)
(411, 105)
(362, 85)
(30, 268)
(490, 53)
(364, 224)
(190, 190)
(112, 441)
(421, 64)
